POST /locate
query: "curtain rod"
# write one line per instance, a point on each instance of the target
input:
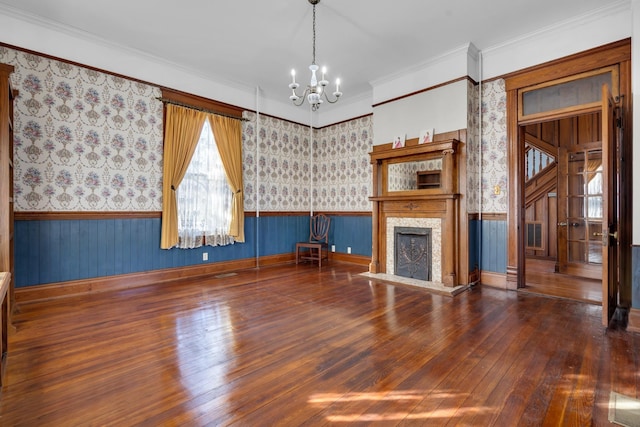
(193, 107)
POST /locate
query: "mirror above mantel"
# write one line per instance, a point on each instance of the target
(416, 168)
(414, 175)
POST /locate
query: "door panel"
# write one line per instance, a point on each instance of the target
(609, 227)
(580, 209)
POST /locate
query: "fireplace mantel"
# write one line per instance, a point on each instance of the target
(440, 200)
(410, 197)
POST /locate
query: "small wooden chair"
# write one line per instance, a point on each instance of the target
(317, 248)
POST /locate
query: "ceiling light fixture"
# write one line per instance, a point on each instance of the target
(314, 91)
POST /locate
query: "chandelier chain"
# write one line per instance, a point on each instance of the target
(314, 34)
(316, 90)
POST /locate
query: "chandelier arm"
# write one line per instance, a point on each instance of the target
(329, 100)
(301, 98)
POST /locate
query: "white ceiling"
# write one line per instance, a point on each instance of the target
(249, 44)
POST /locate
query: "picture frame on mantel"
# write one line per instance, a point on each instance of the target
(426, 136)
(398, 141)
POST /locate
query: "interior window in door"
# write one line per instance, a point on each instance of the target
(585, 207)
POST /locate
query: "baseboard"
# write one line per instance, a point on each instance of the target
(275, 260)
(50, 291)
(474, 276)
(634, 320)
(495, 280)
(351, 258)
(30, 294)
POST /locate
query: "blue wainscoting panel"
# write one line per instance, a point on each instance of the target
(279, 234)
(493, 244)
(52, 251)
(635, 277)
(474, 244)
(353, 231)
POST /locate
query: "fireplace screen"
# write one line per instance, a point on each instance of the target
(412, 252)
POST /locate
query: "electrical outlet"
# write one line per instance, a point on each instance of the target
(205, 256)
(348, 249)
(333, 248)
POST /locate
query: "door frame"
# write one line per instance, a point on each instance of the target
(618, 53)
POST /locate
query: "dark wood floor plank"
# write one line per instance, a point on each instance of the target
(446, 399)
(541, 278)
(345, 360)
(429, 405)
(533, 393)
(529, 399)
(295, 345)
(377, 369)
(515, 361)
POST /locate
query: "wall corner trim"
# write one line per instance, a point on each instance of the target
(634, 320)
(495, 280)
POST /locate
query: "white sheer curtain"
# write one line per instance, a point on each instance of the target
(204, 198)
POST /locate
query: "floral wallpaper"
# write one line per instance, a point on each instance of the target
(494, 147)
(280, 177)
(90, 141)
(276, 164)
(83, 140)
(342, 173)
(473, 157)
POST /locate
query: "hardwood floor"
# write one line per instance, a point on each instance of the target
(292, 345)
(541, 278)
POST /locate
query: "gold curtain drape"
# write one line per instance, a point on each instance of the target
(594, 160)
(182, 133)
(228, 135)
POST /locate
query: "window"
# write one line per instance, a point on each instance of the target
(594, 193)
(184, 115)
(583, 90)
(204, 197)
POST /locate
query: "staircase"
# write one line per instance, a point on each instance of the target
(536, 161)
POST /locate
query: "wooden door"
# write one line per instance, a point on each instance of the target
(580, 210)
(608, 232)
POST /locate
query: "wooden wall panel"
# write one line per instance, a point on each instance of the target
(549, 132)
(552, 237)
(588, 128)
(544, 210)
(566, 131)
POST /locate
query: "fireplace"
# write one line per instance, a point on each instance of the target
(412, 252)
(421, 225)
(433, 250)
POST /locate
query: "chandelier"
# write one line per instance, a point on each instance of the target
(315, 90)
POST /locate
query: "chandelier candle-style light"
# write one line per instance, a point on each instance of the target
(314, 91)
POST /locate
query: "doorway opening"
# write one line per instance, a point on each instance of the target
(563, 202)
(574, 87)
